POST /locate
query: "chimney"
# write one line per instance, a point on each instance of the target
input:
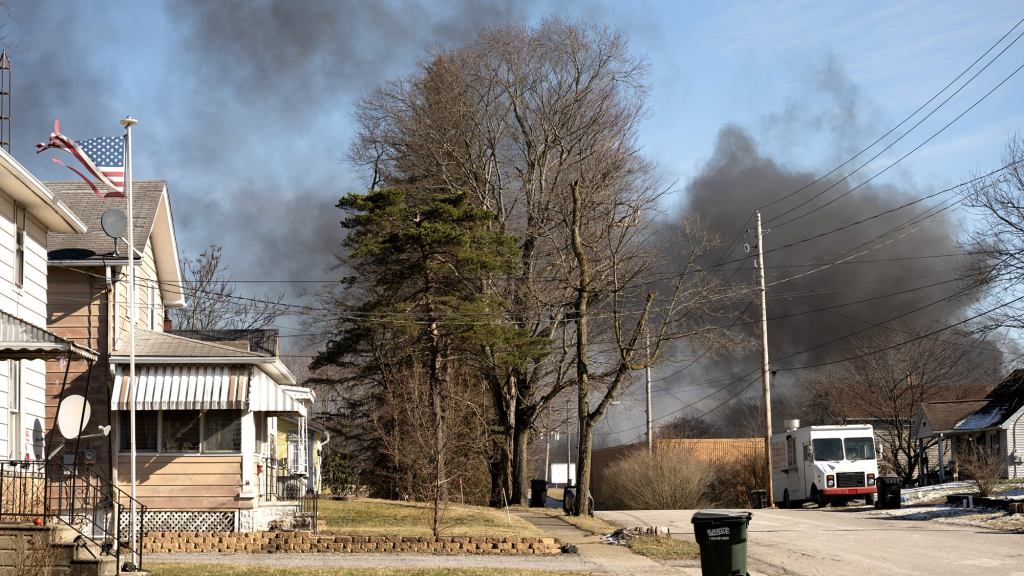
(792, 424)
(168, 323)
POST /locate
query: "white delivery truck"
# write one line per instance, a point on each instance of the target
(823, 464)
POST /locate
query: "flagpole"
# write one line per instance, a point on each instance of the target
(132, 317)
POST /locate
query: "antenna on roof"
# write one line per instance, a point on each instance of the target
(5, 101)
(114, 224)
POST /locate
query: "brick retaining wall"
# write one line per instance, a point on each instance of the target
(270, 542)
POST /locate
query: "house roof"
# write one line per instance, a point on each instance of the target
(943, 415)
(152, 223)
(162, 348)
(146, 195)
(40, 202)
(1001, 403)
(161, 344)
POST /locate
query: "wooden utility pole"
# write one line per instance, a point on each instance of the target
(647, 381)
(765, 370)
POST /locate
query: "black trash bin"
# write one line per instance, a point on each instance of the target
(888, 496)
(722, 537)
(568, 497)
(538, 493)
(758, 499)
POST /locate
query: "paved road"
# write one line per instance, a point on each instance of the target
(844, 541)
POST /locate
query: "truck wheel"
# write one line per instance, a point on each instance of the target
(818, 498)
(869, 499)
(785, 499)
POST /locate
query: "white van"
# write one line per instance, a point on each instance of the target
(823, 464)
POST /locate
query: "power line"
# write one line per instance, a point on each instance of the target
(898, 160)
(902, 122)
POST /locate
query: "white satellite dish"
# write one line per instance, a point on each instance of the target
(74, 416)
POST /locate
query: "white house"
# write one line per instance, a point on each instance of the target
(28, 211)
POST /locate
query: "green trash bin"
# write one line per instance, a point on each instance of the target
(722, 537)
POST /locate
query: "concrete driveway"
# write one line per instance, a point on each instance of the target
(848, 541)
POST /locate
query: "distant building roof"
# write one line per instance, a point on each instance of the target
(943, 415)
(1002, 402)
(95, 244)
(261, 340)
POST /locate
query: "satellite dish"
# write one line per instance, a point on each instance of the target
(74, 415)
(114, 223)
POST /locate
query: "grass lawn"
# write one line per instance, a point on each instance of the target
(234, 570)
(372, 517)
(664, 548)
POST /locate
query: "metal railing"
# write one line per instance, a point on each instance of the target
(281, 484)
(31, 491)
(22, 491)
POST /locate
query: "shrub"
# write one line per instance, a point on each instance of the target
(982, 466)
(658, 481)
(734, 479)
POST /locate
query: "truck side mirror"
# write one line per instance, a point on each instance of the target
(808, 453)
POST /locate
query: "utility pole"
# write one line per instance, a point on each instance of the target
(765, 370)
(647, 378)
(568, 445)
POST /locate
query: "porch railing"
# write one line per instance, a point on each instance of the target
(281, 484)
(86, 503)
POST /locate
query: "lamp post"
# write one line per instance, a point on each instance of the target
(133, 313)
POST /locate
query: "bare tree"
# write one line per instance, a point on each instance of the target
(213, 301)
(888, 386)
(997, 237)
(534, 123)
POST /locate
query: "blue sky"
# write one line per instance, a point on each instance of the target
(245, 107)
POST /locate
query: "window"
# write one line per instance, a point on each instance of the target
(180, 431)
(827, 449)
(790, 451)
(19, 249)
(146, 430)
(14, 409)
(183, 431)
(222, 431)
(860, 448)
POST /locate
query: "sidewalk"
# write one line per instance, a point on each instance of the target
(607, 558)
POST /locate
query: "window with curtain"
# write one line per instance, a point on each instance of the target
(181, 431)
(222, 431)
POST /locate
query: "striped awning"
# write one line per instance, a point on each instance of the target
(201, 387)
(20, 340)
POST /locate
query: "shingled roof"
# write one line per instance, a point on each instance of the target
(95, 244)
(1002, 402)
(159, 344)
(943, 415)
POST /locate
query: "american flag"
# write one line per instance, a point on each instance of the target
(103, 158)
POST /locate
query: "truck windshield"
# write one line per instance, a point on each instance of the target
(860, 448)
(826, 449)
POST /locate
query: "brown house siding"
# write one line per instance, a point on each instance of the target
(77, 310)
(186, 482)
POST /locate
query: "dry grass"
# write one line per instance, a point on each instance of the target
(372, 517)
(236, 570)
(663, 548)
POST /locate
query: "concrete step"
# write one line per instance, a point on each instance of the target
(102, 566)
